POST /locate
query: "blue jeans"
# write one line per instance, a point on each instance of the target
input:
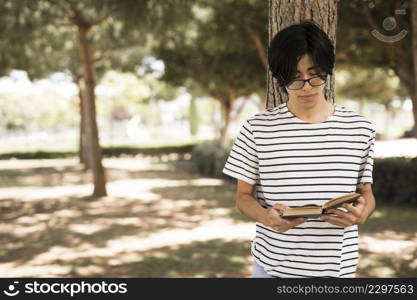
(259, 272)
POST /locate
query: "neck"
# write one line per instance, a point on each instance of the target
(316, 112)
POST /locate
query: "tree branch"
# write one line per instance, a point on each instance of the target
(74, 16)
(105, 55)
(98, 21)
(254, 35)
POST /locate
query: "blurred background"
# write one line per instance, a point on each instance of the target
(117, 117)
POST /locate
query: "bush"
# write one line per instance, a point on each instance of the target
(395, 180)
(209, 158)
(408, 134)
(107, 152)
(149, 151)
(37, 155)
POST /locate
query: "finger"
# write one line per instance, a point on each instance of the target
(278, 220)
(345, 220)
(295, 222)
(292, 223)
(344, 215)
(284, 222)
(360, 200)
(280, 224)
(280, 207)
(298, 221)
(352, 209)
(335, 221)
(279, 228)
(275, 213)
(337, 212)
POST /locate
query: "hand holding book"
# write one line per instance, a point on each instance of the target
(273, 218)
(354, 214)
(315, 211)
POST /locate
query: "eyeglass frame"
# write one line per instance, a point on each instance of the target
(323, 76)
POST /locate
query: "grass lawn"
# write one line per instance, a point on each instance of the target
(159, 220)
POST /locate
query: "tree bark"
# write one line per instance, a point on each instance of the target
(414, 50)
(413, 95)
(283, 13)
(226, 107)
(193, 118)
(82, 147)
(230, 113)
(94, 155)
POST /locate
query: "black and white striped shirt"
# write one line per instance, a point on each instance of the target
(295, 163)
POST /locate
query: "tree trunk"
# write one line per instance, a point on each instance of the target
(387, 121)
(283, 13)
(413, 96)
(414, 103)
(414, 50)
(193, 118)
(82, 147)
(94, 155)
(226, 107)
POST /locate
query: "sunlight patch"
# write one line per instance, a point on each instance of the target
(377, 245)
(87, 228)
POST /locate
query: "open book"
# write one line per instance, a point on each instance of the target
(314, 211)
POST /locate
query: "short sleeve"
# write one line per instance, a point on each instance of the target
(242, 162)
(367, 161)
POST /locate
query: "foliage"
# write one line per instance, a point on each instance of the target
(395, 180)
(358, 48)
(213, 53)
(355, 43)
(133, 95)
(36, 107)
(375, 85)
(48, 41)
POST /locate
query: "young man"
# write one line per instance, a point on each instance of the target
(305, 151)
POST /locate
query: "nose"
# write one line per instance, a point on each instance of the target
(307, 86)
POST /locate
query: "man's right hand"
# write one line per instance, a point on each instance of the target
(274, 220)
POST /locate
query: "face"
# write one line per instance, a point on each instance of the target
(306, 70)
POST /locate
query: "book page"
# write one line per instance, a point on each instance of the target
(341, 199)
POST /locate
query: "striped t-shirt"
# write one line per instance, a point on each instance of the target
(294, 162)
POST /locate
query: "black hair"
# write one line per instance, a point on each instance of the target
(293, 42)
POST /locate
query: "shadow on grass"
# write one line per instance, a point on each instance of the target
(388, 265)
(213, 258)
(43, 176)
(34, 227)
(38, 225)
(400, 217)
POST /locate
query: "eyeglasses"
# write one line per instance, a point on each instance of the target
(313, 81)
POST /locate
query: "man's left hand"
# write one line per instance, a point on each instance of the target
(355, 214)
